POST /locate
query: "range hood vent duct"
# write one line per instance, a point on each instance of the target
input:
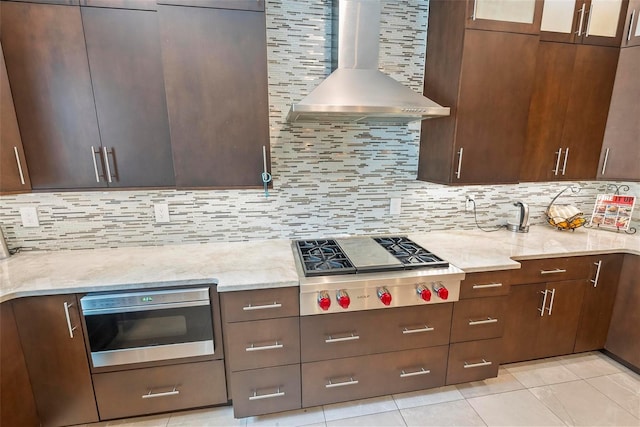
(356, 91)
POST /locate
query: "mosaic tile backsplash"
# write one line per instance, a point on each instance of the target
(329, 179)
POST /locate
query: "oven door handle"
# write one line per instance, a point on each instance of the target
(150, 307)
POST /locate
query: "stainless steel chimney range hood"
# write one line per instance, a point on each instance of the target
(356, 91)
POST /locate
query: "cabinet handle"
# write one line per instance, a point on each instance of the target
(151, 395)
(544, 302)
(262, 307)
(566, 156)
(582, 10)
(586, 33)
(475, 10)
(604, 163)
(95, 164)
(353, 337)
(257, 396)
(482, 322)
(66, 313)
(422, 371)
(15, 150)
(459, 163)
(633, 14)
(595, 280)
(555, 271)
(477, 365)
(106, 162)
(488, 285)
(415, 331)
(557, 168)
(342, 384)
(553, 297)
(265, 347)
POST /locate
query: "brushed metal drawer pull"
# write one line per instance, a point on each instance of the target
(553, 297)
(422, 371)
(342, 384)
(352, 337)
(257, 396)
(488, 285)
(482, 322)
(106, 163)
(66, 313)
(477, 365)
(556, 271)
(544, 302)
(595, 279)
(262, 307)
(265, 347)
(15, 150)
(415, 331)
(95, 163)
(151, 395)
(633, 14)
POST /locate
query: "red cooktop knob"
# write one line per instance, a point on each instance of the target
(324, 301)
(441, 291)
(343, 299)
(424, 293)
(384, 296)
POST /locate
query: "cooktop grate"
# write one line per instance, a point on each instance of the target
(323, 257)
(410, 253)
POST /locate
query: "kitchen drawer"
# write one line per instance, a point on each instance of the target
(260, 304)
(166, 388)
(331, 336)
(485, 284)
(473, 361)
(477, 319)
(552, 270)
(263, 343)
(262, 391)
(374, 375)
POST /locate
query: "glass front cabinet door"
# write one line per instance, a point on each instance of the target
(519, 16)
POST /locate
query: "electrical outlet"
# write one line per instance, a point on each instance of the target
(162, 212)
(469, 203)
(29, 215)
(395, 206)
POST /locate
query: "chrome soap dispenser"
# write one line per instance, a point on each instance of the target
(522, 225)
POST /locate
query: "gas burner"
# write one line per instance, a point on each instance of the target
(410, 253)
(322, 257)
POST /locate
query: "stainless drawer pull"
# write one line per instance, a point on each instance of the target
(544, 302)
(482, 322)
(415, 331)
(257, 396)
(459, 163)
(476, 365)
(566, 156)
(350, 382)
(261, 307)
(106, 162)
(352, 337)
(95, 163)
(556, 271)
(557, 168)
(66, 313)
(422, 371)
(488, 285)
(150, 395)
(553, 297)
(595, 280)
(15, 150)
(265, 347)
(633, 14)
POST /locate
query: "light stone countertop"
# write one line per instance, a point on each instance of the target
(270, 264)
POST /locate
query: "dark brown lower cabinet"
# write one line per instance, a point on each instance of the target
(350, 378)
(473, 360)
(160, 389)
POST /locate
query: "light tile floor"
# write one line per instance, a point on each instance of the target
(587, 389)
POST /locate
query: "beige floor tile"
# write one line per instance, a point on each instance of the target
(383, 419)
(579, 404)
(589, 365)
(358, 408)
(427, 397)
(210, 417)
(622, 388)
(299, 417)
(500, 384)
(514, 408)
(541, 372)
(457, 413)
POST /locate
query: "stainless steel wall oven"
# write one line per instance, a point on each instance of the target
(146, 326)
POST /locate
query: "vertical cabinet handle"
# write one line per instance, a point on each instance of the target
(95, 163)
(582, 10)
(595, 280)
(557, 168)
(544, 302)
(15, 150)
(553, 297)
(566, 157)
(633, 14)
(106, 162)
(66, 313)
(459, 162)
(586, 33)
(604, 163)
(475, 10)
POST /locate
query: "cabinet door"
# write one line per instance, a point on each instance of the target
(620, 154)
(215, 69)
(597, 306)
(522, 321)
(520, 16)
(559, 324)
(496, 83)
(631, 35)
(53, 345)
(123, 47)
(14, 176)
(47, 64)
(604, 22)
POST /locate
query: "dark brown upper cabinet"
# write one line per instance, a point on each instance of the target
(255, 5)
(215, 70)
(631, 35)
(121, 4)
(593, 22)
(521, 16)
(14, 175)
(486, 77)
